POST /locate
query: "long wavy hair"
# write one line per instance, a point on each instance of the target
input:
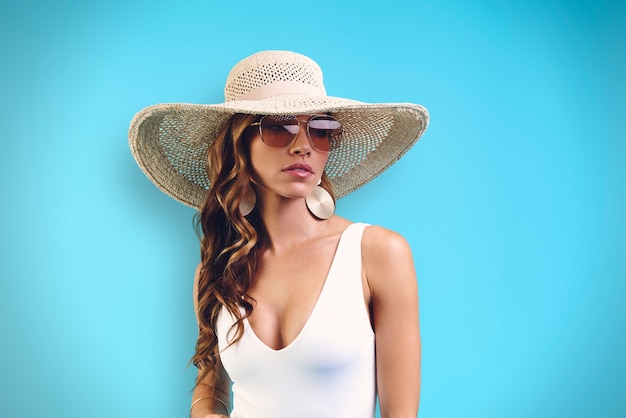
(230, 243)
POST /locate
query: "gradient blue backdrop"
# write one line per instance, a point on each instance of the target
(514, 200)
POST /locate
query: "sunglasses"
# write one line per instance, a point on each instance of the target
(324, 132)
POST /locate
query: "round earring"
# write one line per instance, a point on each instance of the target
(248, 201)
(320, 203)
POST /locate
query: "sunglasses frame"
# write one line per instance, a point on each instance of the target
(308, 132)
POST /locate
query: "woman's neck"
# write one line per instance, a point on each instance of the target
(288, 222)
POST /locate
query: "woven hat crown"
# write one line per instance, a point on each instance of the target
(270, 73)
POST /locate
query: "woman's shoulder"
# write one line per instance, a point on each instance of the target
(386, 257)
(379, 239)
(376, 239)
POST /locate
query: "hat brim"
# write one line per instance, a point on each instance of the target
(170, 141)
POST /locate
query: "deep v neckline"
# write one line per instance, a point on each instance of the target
(315, 306)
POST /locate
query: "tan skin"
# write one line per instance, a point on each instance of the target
(287, 284)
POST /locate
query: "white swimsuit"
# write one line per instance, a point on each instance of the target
(328, 370)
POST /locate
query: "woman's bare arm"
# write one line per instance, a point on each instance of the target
(390, 273)
(208, 405)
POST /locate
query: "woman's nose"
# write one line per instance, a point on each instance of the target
(301, 143)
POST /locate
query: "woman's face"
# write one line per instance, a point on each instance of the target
(291, 171)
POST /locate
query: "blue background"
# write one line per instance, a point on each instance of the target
(514, 200)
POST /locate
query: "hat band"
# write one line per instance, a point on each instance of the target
(282, 87)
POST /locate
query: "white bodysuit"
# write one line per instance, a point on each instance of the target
(328, 370)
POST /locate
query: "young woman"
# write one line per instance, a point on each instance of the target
(301, 313)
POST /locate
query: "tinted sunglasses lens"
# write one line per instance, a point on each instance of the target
(325, 132)
(279, 130)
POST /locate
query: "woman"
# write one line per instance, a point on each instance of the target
(301, 313)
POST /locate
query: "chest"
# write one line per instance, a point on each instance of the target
(310, 362)
(285, 290)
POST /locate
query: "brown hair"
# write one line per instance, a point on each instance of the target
(230, 242)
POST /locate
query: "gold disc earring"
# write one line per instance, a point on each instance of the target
(248, 201)
(320, 203)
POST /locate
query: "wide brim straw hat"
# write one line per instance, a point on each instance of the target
(170, 141)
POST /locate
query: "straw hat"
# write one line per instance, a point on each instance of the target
(170, 141)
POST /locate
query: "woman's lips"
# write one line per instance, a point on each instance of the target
(299, 170)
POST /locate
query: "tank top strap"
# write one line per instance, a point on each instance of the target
(343, 290)
(348, 254)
